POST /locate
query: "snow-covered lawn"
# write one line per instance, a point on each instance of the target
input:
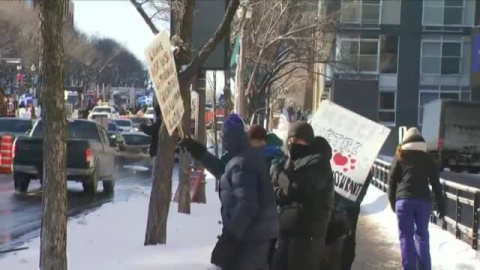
(111, 238)
(447, 252)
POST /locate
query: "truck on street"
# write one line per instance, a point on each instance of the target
(452, 132)
(91, 157)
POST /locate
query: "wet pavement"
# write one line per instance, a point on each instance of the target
(375, 250)
(20, 214)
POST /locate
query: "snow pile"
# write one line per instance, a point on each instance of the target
(447, 252)
(112, 238)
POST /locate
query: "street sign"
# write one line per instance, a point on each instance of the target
(355, 141)
(163, 73)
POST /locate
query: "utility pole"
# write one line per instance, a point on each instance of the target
(199, 87)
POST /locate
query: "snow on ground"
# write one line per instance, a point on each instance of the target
(447, 252)
(112, 238)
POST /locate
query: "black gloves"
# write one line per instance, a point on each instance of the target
(195, 148)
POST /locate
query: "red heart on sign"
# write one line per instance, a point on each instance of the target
(340, 160)
(353, 160)
(352, 167)
(345, 169)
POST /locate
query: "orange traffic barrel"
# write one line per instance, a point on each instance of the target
(6, 154)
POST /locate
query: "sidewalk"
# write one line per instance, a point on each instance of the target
(112, 238)
(378, 245)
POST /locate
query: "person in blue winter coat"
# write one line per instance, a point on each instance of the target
(410, 197)
(248, 210)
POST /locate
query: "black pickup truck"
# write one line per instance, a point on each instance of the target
(90, 156)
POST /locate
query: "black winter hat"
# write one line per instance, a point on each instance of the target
(301, 130)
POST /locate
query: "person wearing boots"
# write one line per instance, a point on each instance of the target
(304, 189)
(409, 195)
(249, 214)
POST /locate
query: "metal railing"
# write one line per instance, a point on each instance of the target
(462, 205)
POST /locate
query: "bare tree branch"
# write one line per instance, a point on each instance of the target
(145, 17)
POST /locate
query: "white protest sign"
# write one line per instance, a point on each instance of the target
(355, 141)
(164, 77)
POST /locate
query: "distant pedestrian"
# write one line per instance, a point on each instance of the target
(249, 214)
(409, 194)
(153, 130)
(304, 189)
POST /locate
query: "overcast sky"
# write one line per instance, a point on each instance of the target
(117, 19)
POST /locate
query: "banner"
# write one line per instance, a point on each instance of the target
(164, 78)
(355, 141)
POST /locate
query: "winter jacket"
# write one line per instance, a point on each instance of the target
(307, 203)
(411, 175)
(248, 203)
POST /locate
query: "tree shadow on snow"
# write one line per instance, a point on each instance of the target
(377, 206)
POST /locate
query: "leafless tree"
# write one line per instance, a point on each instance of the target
(188, 66)
(280, 37)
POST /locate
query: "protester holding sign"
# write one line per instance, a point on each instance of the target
(248, 210)
(409, 194)
(304, 188)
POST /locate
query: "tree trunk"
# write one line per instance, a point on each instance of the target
(54, 220)
(184, 185)
(161, 194)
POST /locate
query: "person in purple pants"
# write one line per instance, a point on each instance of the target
(409, 195)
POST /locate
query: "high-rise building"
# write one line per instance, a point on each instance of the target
(393, 56)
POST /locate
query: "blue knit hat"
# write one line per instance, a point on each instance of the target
(234, 122)
(234, 135)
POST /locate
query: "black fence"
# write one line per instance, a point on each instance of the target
(462, 205)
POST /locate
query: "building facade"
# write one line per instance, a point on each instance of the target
(394, 56)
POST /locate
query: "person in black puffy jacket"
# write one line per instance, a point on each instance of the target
(304, 189)
(409, 195)
(249, 214)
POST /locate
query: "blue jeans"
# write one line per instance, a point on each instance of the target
(413, 216)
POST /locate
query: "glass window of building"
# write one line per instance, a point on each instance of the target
(448, 12)
(441, 57)
(360, 11)
(359, 55)
(431, 93)
(389, 54)
(387, 107)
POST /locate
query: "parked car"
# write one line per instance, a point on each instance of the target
(110, 111)
(134, 150)
(14, 126)
(113, 128)
(90, 156)
(137, 121)
(124, 125)
(452, 132)
(150, 114)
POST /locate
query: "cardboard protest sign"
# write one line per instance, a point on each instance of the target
(355, 141)
(164, 78)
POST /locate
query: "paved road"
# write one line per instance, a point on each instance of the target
(20, 214)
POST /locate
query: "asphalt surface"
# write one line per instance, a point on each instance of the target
(20, 214)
